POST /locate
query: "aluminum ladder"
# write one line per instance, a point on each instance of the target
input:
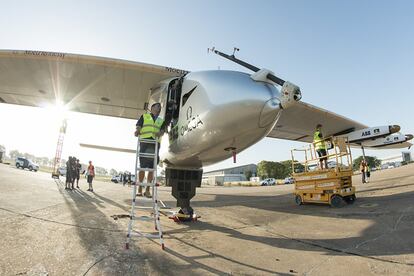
(155, 208)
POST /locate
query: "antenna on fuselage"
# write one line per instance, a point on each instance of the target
(245, 64)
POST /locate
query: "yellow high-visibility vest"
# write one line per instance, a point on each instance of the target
(150, 128)
(319, 144)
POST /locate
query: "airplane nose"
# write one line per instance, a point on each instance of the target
(394, 128)
(269, 112)
(297, 96)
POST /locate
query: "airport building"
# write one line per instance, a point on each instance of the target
(397, 160)
(219, 177)
(405, 156)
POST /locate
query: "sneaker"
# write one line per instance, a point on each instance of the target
(148, 194)
(139, 194)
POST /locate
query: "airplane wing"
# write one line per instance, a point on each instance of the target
(298, 122)
(86, 84)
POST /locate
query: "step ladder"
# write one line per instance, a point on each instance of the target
(154, 208)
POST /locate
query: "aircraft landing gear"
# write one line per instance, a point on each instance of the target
(184, 215)
(184, 184)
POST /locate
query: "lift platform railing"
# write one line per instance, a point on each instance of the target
(337, 149)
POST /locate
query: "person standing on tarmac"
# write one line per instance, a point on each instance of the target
(78, 167)
(123, 178)
(362, 168)
(68, 173)
(149, 126)
(320, 147)
(367, 173)
(73, 172)
(129, 179)
(91, 175)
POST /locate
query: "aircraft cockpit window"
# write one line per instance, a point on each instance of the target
(187, 95)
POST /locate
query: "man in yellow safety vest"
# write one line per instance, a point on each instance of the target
(149, 126)
(320, 147)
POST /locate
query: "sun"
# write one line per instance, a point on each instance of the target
(58, 110)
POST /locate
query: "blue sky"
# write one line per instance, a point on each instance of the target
(351, 57)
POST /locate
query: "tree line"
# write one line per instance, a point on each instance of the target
(278, 170)
(372, 161)
(283, 169)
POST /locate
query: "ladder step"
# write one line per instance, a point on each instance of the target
(147, 141)
(144, 207)
(151, 207)
(146, 169)
(146, 184)
(142, 154)
(146, 235)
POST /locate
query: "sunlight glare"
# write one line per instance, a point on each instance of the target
(57, 111)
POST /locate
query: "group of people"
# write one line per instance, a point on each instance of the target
(126, 177)
(73, 172)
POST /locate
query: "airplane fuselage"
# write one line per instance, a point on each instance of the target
(215, 114)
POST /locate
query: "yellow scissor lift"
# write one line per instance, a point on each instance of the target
(330, 186)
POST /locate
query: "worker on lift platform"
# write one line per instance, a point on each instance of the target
(320, 147)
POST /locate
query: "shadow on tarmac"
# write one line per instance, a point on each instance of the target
(102, 246)
(85, 213)
(391, 215)
(392, 224)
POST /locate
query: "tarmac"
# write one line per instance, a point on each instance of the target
(46, 230)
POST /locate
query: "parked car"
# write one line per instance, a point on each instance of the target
(268, 182)
(289, 180)
(119, 178)
(116, 178)
(62, 171)
(25, 163)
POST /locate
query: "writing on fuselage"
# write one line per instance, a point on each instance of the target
(175, 70)
(45, 54)
(368, 132)
(193, 123)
